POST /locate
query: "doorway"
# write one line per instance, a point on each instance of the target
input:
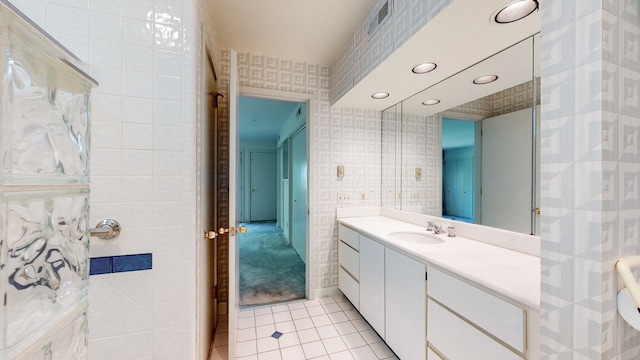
(458, 169)
(272, 253)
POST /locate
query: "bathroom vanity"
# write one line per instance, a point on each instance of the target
(430, 296)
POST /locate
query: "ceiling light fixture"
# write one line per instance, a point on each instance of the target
(380, 95)
(423, 68)
(485, 79)
(515, 11)
(431, 102)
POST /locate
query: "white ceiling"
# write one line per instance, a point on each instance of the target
(303, 30)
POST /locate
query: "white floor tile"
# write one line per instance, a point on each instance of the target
(264, 319)
(262, 311)
(382, 350)
(279, 308)
(353, 314)
(316, 310)
(246, 313)
(250, 357)
(331, 308)
(265, 331)
(337, 317)
(296, 305)
(246, 348)
(292, 353)
(345, 328)
(245, 334)
(282, 316)
(299, 314)
(343, 355)
(270, 355)
(248, 322)
(267, 344)
(334, 345)
(354, 340)
(361, 324)
(321, 320)
(312, 303)
(307, 336)
(288, 340)
(303, 324)
(363, 353)
(327, 300)
(286, 327)
(370, 336)
(313, 349)
(327, 332)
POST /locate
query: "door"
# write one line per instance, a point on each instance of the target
(298, 186)
(208, 303)
(263, 180)
(506, 184)
(234, 179)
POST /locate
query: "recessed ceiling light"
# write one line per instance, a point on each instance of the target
(380, 95)
(485, 79)
(431, 102)
(515, 11)
(423, 68)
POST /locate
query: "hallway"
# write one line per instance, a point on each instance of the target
(270, 269)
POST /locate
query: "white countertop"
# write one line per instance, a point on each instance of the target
(513, 274)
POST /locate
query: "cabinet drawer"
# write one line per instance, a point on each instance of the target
(457, 340)
(498, 317)
(350, 237)
(349, 287)
(349, 259)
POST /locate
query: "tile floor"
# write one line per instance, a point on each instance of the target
(324, 329)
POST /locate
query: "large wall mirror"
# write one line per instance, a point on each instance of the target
(470, 151)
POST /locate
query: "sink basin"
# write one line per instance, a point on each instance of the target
(416, 237)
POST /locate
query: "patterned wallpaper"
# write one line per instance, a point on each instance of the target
(337, 136)
(364, 52)
(590, 167)
(503, 102)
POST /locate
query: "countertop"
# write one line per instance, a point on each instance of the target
(510, 273)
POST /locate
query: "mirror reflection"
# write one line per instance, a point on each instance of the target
(468, 151)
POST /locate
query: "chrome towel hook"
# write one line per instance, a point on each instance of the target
(106, 229)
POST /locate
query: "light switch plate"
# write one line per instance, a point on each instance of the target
(340, 171)
(418, 173)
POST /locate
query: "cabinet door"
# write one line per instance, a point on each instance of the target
(406, 302)
(372, 283)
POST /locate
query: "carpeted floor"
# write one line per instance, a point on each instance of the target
(270, 269)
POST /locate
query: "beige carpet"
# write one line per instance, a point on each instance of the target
(270, 269)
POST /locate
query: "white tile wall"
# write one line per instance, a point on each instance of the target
(143, 165)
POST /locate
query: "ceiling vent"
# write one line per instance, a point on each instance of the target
(380, 14)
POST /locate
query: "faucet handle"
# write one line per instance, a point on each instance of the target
(430, 225)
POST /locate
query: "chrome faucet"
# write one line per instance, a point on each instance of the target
(431, 226)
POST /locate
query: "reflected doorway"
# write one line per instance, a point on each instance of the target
(458, 169)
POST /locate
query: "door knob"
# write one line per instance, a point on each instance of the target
(253, 190)
(210, 234)
(232, 230)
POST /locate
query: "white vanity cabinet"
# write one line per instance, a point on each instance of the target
(466, 322)
(405, 297)
(388, 289)
(372, 283)
(349, 264)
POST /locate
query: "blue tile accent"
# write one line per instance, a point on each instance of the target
(132, 262)
(101, 265)
(276, 335)
(122, 263)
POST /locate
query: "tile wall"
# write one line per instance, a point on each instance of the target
(590, 164)
(142, 167)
